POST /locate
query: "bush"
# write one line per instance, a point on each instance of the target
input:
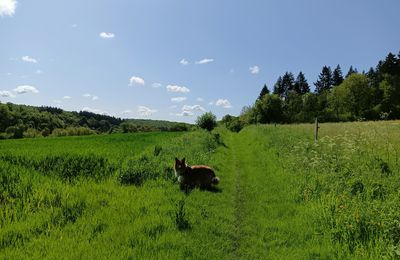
(32, 133)
(207, 121)
(15, 131)
(233, 123)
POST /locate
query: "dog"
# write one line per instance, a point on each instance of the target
(194, 176)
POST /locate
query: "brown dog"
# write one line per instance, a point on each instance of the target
(194, 176)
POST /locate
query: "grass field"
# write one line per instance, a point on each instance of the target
(281, 196)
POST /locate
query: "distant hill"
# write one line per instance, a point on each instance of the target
(18, 121)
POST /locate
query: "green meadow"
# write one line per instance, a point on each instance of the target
(282, 195)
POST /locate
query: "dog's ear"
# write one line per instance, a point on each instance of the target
(183, 160)
(176, 159)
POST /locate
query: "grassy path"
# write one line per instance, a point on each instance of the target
(268, 223)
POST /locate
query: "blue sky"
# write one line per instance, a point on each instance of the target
(175, 59)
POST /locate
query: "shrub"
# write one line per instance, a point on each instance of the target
(32, 133)
(207, 121)
(15, 131)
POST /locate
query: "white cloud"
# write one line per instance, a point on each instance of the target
(145, 111)
(185, 113)
(193, 108)
(254, 70)
(7, 7)
(28, 59)
(199, 99)
(211, 103)
(107, 35)
(189, 110)
(66, 97)
(184, 62)
(224, 103)
(156, 85)
(178, 99)
(128, 111)
(87, 95)
(39, 72)
(25, 89)
(136, 80)
(94, 110)
(204, 61)
(5, 93)
(175, 88)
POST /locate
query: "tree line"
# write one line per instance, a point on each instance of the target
(371, 95)
(18, 121)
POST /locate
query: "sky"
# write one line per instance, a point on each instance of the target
(176, 59)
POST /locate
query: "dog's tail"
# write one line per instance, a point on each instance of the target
(215, 180)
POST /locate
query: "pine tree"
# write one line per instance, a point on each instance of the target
(264, 91)
(388, 66)
(351, 71)
(324, 81)
(373, 83)
(398, 65)
(372, 77)
(278, 88)
(301, 85)
(287, 83)
(337, 77)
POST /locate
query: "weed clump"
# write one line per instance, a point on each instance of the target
(68, 213)
(157, 150)
(181, 221)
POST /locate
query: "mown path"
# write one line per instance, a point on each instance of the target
(268, 223)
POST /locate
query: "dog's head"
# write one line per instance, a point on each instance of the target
(180, 166)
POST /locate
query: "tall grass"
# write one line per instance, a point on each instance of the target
(282, 195)
(350, 179)
(118, 202)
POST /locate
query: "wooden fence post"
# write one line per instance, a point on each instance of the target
(316, 129)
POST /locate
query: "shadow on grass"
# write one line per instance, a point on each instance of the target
(188, 189)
